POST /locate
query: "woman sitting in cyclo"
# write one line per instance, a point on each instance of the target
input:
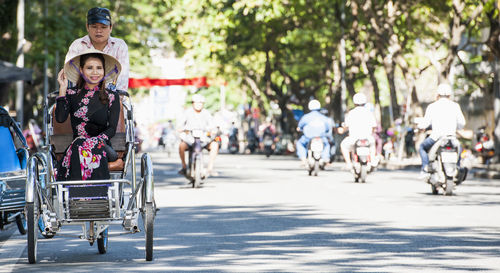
(94, 112)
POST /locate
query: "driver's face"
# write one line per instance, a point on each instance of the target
(99, 33)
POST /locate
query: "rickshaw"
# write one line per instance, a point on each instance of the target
(12, 172)
(94, 205)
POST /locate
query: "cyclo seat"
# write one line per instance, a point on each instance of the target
(10, 146)
(10, 160)
(62, 137)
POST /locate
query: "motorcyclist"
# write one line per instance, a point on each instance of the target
(199, 118)
(267, 129)
(314, 124)
(361, 124)
(445, 117)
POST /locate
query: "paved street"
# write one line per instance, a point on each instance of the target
(268, 215)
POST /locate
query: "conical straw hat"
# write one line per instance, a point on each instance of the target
(112, 66)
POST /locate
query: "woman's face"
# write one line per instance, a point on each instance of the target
(93, 70)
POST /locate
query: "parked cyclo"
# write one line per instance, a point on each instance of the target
(12, 172)
(94, 205)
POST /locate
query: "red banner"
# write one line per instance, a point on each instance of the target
(147, 82)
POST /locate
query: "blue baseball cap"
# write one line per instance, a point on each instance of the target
(99, 15)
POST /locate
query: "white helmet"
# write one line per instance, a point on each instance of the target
(444, 89)
(198, 98)
(359, 99)
(314, 105)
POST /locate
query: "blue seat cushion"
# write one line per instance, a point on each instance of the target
(8, 156)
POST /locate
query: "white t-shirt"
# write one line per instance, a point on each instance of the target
(445, 116)
(360, 122)
(191, 120)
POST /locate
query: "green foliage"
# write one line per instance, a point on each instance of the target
(274, 50)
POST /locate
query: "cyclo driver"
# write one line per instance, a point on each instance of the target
(196, 118)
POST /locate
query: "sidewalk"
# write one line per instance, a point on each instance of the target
(492, 171)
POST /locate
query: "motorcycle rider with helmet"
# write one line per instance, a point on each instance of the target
(314, 124)
(445, 117)
(196, 117)
(361, 124)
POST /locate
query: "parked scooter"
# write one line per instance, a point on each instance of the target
(485, 147)
(443, 165)
(361, 161)
(314, 155)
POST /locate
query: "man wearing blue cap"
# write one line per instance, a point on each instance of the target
(99, 29)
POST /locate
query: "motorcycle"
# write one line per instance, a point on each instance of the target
(252, 141)
(169, 142)
(443, 168)
(195, 172)
(233, 143)
(268, 142)
(314, 155)
(361, 161)
(485, 147)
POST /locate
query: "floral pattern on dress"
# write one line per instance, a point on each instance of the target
(111, 99)
(82, 113)
(81, 129)
(67, 158)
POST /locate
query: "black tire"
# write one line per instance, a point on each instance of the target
(197, 172)
(449, 187)
(21, 224)
(149, 218)
(434, 189)
(316, 168)
(102, 242)
(363, 173)
(268, 151)
(32, 220)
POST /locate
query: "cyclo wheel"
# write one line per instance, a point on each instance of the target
(32, 220)
(21, 224)
(148, 205)
(102, 242)
(32, 207)
(149, 229)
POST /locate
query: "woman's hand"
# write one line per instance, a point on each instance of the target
(63, 83)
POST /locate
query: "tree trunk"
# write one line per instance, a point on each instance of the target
(390, 72)
(376, 90)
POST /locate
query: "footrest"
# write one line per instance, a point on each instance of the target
(89, 209)
(89, 201)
